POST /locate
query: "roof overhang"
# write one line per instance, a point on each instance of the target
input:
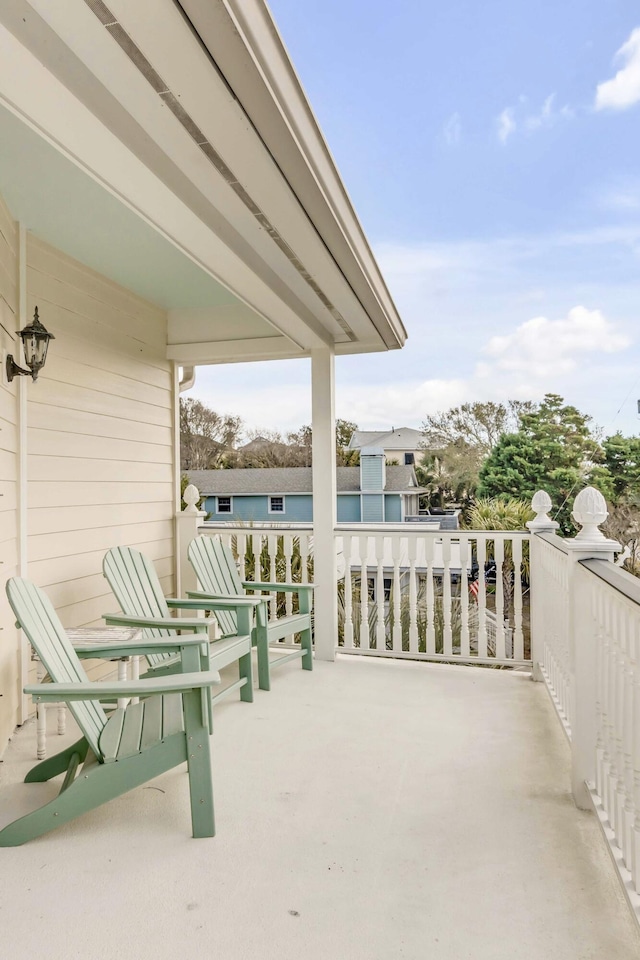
(191, 118)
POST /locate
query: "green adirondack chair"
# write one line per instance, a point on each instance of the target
(137, 588)
(168, 727)
(215, 568)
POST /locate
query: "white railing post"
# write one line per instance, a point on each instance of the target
(187, 524)
(589, 511)
(324, 502)
(541, 523)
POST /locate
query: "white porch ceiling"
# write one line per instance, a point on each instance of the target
(146, 166)
(64, 206)
(61, 204)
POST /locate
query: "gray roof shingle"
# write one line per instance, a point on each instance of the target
(401, 438)
(276, 480)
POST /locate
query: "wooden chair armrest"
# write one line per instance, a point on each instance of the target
(135, 648)
(278, 587)
(104, 689)
(224, 602)
(177, 603)
(164, 623)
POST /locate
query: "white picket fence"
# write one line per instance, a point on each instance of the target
(405, 592)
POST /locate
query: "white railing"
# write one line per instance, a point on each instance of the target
(615, 609)
(586, 642)
(451, 595)
(465, 596)
(551, 584)
(435, 595)
(285, 556)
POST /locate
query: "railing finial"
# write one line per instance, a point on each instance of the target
(191, 497)
(589, 511)
(541, 504)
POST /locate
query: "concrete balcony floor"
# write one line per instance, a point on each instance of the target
(370, 810)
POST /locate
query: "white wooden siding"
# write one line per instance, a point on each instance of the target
(9, 637)
(100, 436)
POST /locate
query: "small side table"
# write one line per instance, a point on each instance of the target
(80, 636)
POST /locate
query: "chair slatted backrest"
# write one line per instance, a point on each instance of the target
(137, 588)
(35, 614)
(215, 568)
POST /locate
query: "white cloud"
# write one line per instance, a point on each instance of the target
(622, 196)
(546, 348)
(405, 404)
(506, 124)
(547, 116)
(452, 130)
(472, 309)
(538, 356)
(544, 117)
(623, 90)
(516, 118)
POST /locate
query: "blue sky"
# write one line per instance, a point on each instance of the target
(491, 152)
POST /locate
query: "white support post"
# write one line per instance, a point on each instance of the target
(324, 502)
(187, 524)
(542, 523)
(589, 511)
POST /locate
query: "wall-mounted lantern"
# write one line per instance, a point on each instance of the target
(35, 342)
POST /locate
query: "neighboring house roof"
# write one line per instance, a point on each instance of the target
(257, 444)
(280, 480)
(402, 438)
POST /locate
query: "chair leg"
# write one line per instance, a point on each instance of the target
(52, 766)
(306, 642)
(94, 786)
(245, 669)
(199, 766)
(261, 642)
(89, 790)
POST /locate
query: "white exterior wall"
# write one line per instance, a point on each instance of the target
(100, 435)
(100, 441)
(9, 637)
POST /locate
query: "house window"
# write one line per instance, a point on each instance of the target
(224, 505)
(371, 589)
(276, 504)
(409, 459)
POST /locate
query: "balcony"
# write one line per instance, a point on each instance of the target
(380, 806)
(371, 809)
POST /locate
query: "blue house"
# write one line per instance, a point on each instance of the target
(370, 493)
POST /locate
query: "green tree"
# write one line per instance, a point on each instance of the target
(622, 462)
(620, 482)
(499, 513)
(345, 429)
(553, 450)
(623, 525)
(479, 425)
(456, 443)
(205, 435)
(451, 474)
(269, 448)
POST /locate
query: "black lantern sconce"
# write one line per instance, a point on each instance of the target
(35, 342)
